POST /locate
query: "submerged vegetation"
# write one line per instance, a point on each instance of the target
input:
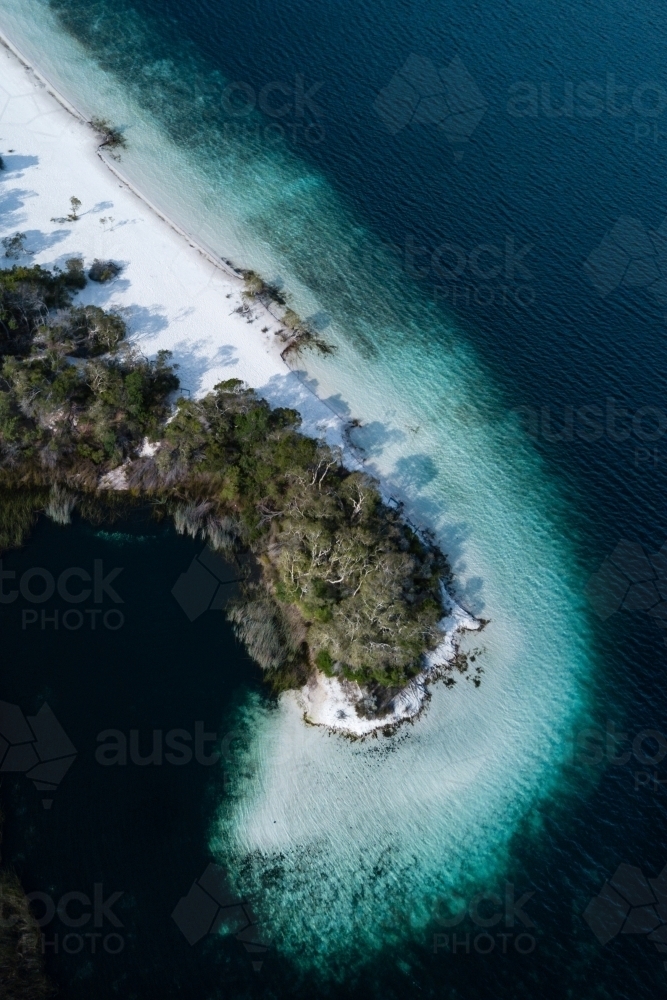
(109, 134)
(21, 956)
(340, 581)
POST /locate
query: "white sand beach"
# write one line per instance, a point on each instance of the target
(172, 293)
(326, 701)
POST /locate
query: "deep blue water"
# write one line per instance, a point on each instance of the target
(554, 184)
(555, 180)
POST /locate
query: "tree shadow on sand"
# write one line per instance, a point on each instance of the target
(15, 163)
(195, 362)
(37, 242)
(413, 480)
(11, 205)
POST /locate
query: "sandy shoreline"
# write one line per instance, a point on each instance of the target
(170, 286)
(324, 701)
(174, 294)
(73, 110)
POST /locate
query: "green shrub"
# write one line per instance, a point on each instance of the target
(104, 270)
(15, 245)
(340, 579)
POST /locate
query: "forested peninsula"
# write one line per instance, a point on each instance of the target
(335, 579)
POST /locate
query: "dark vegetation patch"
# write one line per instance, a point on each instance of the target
(109, 134)
(21, 962)
(341, 581)
(104, 270)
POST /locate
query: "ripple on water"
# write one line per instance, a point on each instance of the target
(348, 846)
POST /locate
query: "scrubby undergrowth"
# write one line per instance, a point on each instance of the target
(21, 962)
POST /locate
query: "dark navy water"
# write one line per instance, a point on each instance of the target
(573, 137)
(540, 174)
(134, 821)
(129, 821)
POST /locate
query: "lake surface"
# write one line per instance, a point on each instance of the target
(467, 200)
(133, 819)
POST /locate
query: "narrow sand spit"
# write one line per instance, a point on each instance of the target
(173, 294)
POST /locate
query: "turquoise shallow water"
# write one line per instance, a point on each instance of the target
(482, 758)
(353, 850)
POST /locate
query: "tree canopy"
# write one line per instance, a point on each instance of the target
(341, 582)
